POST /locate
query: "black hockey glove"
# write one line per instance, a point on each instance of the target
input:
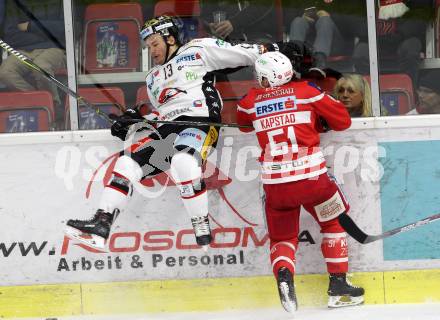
(291, 49)
(299, 53)
(122, 125)
(324, 127)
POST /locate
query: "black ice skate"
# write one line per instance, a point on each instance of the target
(342, 293)
(93, 232)
(202, 231)
(286, 290)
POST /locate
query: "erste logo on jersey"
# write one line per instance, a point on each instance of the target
(264, 108)
(189, 57)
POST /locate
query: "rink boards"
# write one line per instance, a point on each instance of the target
(388, 172)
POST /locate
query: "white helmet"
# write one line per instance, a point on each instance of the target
(275, 67)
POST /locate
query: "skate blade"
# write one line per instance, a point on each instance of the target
(289, 305)
(90, 240)
(344, 301)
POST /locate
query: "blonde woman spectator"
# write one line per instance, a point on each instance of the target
(354, 92)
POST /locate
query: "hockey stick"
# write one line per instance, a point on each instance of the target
(28, 62)
(356, 233)
(191, 123)
(58, 43)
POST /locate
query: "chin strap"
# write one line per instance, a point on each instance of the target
(168, 49)
(167, 58)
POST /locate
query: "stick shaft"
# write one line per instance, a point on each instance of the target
(192, 123)
(356, 233)
(411, 226)
(28, 62)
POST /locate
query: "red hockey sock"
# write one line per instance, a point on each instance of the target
(282, 254)
(335, 251)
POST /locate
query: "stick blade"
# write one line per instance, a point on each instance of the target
(352, 229)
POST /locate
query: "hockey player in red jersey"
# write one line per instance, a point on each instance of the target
(287, 118)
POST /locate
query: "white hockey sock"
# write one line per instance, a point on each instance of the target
(187, 174)
(197, 204)
(112, 199)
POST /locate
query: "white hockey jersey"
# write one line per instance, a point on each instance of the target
(183, 86)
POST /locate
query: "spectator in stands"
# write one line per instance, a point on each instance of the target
(330, 25)
(354, 92)
(35, 28)
(428, 93)
(231, 20)
(2, 15)
(147, 8)
(401, 29)
(237, 20)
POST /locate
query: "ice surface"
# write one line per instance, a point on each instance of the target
(370, 312)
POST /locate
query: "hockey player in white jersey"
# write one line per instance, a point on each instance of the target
(180, 87)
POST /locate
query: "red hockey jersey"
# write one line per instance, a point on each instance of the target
(287, 123)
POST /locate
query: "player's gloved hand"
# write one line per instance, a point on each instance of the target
(119, 130)
(130, 115)
(299, 53)
(291, 49)
(122, 123)
(323, 125)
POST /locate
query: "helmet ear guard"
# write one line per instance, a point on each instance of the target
(275, 67)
